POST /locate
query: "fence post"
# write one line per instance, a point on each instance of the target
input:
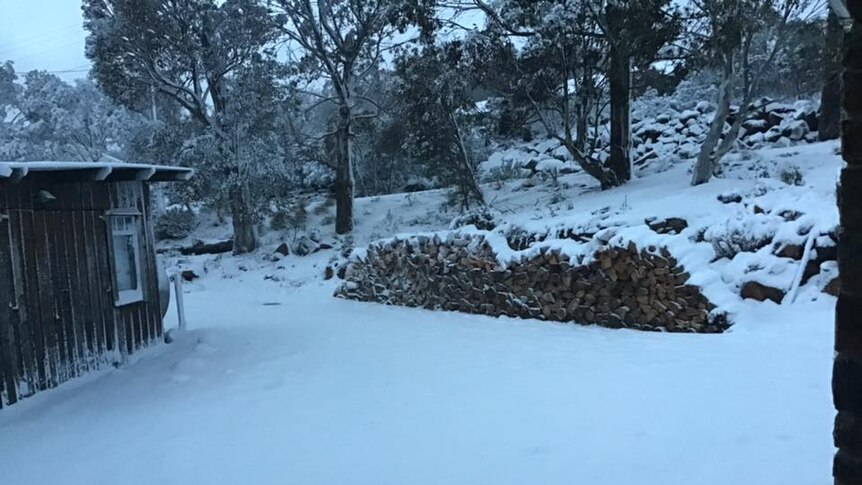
(178, 290)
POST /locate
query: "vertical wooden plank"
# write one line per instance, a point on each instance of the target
(47, 301)
(23, 332)
(63, 292)
(29, 276)
(153, 307)
(147, 266)
(75, 285)
(9, 368)
(104, 336)
(7, 360)
(96, 309)
(87, 288)
(133, 317)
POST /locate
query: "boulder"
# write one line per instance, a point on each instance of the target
(705, 107)
(775, 118)
(687, 115)
(671, 225)
(809, 116)
(753, 126)
(795, 130)
(283, 249)
(688, 150)
(772, 135)
(305, 246)
(189, 275)
(650, 132)
(792, 251)
(665, 117)
(730, 198)
(753, 290)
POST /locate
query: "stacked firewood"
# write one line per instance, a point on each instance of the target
(618, 287)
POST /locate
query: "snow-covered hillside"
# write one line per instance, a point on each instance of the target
(278, 382)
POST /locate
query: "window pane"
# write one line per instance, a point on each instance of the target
(124, 262)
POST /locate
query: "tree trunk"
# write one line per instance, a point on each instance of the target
(847, 368)
(594, 168)
(469, 184)
(731, 136)
(705, 164)
(344, 185)
(244, 230)
(829, 122)
(620, 100)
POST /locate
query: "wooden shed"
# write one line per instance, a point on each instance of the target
(78, 272)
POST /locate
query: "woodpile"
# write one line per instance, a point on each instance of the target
(617, 287)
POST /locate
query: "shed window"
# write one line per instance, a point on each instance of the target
(126, 248)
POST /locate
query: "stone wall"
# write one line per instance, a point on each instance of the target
(616, 287)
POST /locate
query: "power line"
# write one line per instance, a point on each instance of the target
(20, 44)
(54, 48)
(40, 35)
(74, 70)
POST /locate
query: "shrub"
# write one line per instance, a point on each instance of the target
(791, 175)
(293, 216)
(481, 218)
(503, 173)
(175, 224)
(732, 240)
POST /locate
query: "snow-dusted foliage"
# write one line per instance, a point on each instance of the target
(386, 97)
(44, 118)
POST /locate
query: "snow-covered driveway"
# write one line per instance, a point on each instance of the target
(323, 391)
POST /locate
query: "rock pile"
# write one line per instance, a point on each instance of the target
(682, 132)
(616, 287)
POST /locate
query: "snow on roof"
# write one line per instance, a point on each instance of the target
(97, 171)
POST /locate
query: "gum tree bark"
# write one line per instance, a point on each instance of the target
(829, 123)
(619, 77)
(847, 369)
(344, 183)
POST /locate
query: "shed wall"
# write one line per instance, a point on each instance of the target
(58, 318)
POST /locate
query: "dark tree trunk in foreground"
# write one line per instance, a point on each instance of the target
(619, 78)
(344, 185)
(829, 124)
(847, 369)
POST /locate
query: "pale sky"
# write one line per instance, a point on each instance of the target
(43, 34)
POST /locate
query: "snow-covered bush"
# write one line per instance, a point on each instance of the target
(746, 235)
(503, 172)
(176, 223)
(293, 216)
(482, 218)
(791, 175)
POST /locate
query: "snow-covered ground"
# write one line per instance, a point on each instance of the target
(277, 382)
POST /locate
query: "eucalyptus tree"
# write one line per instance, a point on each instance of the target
(742, 38)
(344, 42)
(436, 88)
(188, 51)
(589, 48)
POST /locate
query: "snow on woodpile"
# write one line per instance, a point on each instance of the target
(617, 287)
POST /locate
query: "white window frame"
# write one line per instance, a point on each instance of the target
(126, 297)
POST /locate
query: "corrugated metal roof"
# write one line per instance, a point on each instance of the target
(96, 171)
